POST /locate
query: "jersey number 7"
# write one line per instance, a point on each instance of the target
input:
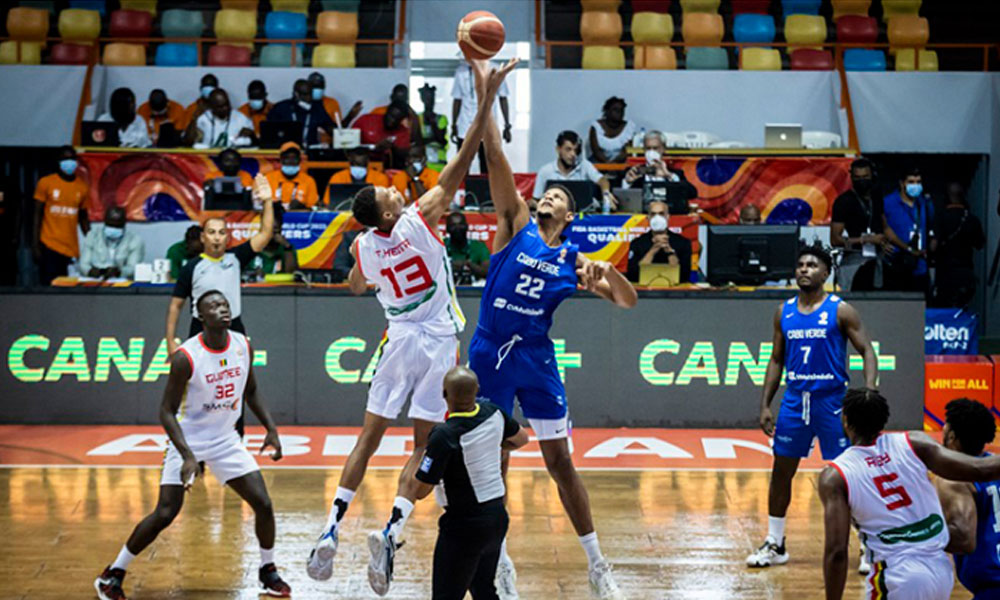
(882, 481)
(412, 270)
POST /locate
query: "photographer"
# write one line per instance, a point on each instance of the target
(656, 169)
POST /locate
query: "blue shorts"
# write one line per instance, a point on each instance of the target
(524, 370)
(794, 433)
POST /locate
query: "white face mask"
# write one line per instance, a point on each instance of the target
(652, 156)
(658, 223)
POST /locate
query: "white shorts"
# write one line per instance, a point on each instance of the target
(550, 429)
(412, 361)
(227, 460)
(911, 577)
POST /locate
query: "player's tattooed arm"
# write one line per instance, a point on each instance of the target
(950, 464)
(837, 527)
(173, 394)
(850, 323)
(603, 279)
(263, 415)
(772, 378)
(959, 506)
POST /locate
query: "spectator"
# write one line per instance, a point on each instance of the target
(10, 229)
(209, 83)
(343, 262)
(256, 107)
(293, 187)
(908, 221)
(570, 165)
(110, 251)
(414, 181)
(857, 226)
(278, 256)
(180, 253)
(401, 95)
(220, 126)
(749, 215)
(229, 161)
(132, 129)
(659, 245)
(330, 104)
(463, 109)
(60, 205)
(470, 259)
(159, 110)
(388, 133)
(959, 235)
(301, 108)
(358, 172)
(656, 169)
(433, 130)
(610, 134)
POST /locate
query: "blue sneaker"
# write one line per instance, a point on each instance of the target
(382, 547)
(320, 564)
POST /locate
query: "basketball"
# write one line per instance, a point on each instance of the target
(480, 35)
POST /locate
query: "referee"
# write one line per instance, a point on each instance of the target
(463, 454)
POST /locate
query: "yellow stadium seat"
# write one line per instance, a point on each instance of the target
(235, 26)
(240, 4)
(908, 30)
(600, 27)
(655, 57)
(760, 59)
(31, 53)
(928, 60)
(850, 7)
(702, 29)
(602, 5)
(603, 57)
(124, 55)
(146, 5)
(295, 6)
(333, 56)
(703, 6)
(79, 26)
(28, 23)
(335, 27)
(652, 28)
(805, 30)
(897, 8)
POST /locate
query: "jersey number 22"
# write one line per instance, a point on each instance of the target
(530, 286)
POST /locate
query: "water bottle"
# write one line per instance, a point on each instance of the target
(605, 204)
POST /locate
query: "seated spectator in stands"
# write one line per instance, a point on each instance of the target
(330, 104)
(570, 165)
(132, 130)
(401, 95)
(433, 130)
(464, 105)
(209, 83)
(656, 169)
(294, 188)
(470, 259)
(159, 110)
(659, 245)
(749, 215)
(610, 134)
(229, 161)
(908, 221)
(257, 107)
(60, 205)
(220, 126)
(856, 225)
(110, 251)
(359, 172)
(388, 133)
(278, 256)
(343, 262)
(959, 235)
(414, 181)
(183, 251)
(10, 228)
(301, 108)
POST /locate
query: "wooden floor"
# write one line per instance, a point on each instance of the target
(670, 534)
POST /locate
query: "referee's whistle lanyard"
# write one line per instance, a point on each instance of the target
(505, 349)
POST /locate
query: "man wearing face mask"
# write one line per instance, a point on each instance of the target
(570, 165)
(908, 221)
(257, 107)
(109, 251)
(159, 110)
(220, 126)
(470, 259)
(857, 226)
(656, 169)
(330, 105)
(359, 172)
(414, 181)
(293, 187)
(659, 246)
(209, 83)
(60, 205)
(301, 108)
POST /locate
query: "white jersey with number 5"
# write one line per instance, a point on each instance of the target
(892, 500)
(412, 272)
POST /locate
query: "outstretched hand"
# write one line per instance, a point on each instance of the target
(488, 80)
(262, 189)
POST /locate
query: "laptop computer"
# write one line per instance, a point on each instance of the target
(343, 192)
(169, 137)
(783, 135)
(477, 191)
(273, 134)
(659, 275)
(584, 192)
(99, 133)
(227, 193)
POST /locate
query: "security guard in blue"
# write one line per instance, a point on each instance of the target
(532, 270)
(811, 332)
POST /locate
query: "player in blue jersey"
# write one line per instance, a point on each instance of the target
(972, 510)
(532, 270)
(810, 344)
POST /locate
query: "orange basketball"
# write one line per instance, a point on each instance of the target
(480, 34)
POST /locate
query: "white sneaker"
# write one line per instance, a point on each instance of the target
(506, 579)
(382, 550)
(769, 554)
(602, 582)
(320, 563)
(864, 567)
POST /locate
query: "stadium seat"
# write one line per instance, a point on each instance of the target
(333, 56)
(173, 54)
(707, 59)
(250, 5)
(810, 59)
(30, 53)
(898, 8)
(79, 26)
(221, 55)
(805, 30)
(280, 55)
(850, 7)
(655, 57)
(815, 140)
(292, 6)
(800, 7)
(341, 5)
(235, 26)
(600, 27)
(700, 6)
(146, 5)
(652, 28)
(27, 24)
(118, 54)
(908, 30)
(131, 24)
(862, 59)
(285, 26)
(70, 54)
(657, 6)
(336, 27)
(98, 5)
(855, 29)
(760, 59)
(751, 27)
(702, 29)
(48, 6)
(760, 7)
(603, 57)
(928, 60)
(600, 5)
(180, 23)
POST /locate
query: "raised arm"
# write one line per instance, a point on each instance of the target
(850, 323)
(355, 277)
(603, 279)
(837, 529)
(959, 506)
(262, 191)
(180, 373)
(253, 402)
(950, 464)
(773, 377)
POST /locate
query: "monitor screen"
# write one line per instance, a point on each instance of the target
(751, 254)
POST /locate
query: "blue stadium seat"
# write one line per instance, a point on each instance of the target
(180, 23)
(800, 7)
(177, 55)
(749, 27)
(703, 59)
(285, 26)
(98, 5)
(859, 59)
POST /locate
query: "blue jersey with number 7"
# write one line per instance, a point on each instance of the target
(526, 282)
(815, 348)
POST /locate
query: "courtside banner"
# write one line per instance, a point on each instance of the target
(678, 359)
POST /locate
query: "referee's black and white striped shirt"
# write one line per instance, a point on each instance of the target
(205, 273)
(464, 454)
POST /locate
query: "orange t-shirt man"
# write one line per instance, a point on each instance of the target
(373, 177)
(256, 116)
(63, 202)
(175, 114)
(402, 182)
(301, 187)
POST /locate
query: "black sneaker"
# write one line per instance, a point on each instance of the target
(109, 584)
(272, 583)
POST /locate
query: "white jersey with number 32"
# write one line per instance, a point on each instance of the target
(412, 272)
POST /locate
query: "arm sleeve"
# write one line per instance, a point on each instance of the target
(185, 284)
(244, 253)
(435, 459)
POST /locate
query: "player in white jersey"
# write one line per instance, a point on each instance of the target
(881, 482)
(403, 256)
(210, 375)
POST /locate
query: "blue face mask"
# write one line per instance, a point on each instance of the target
(914, 189)
(68, 166)
(290, 170)
(318, 93)
(113, 233)
(256, 104)
(206, 90)
(358, 172)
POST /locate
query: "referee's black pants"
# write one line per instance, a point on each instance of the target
(467, 551)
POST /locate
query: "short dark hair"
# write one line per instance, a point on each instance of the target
(256, 84)
(567, 136)
(230, 151)
(866, 411)
(819, 252)
(365, 208)
(862, 163)
(292, 150)
(399, 107)
(611, 102)
(197, 303)
(912, 171)
(972, 423)
(565, 190)
(193, 232)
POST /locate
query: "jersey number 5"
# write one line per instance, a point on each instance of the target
(530, 286)
(882, 481)
(412, 270)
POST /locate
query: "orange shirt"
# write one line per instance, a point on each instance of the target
(332, 108)
(175, 114)
(401, 181)
(373, 177)
(256, 117)
(246, 179)
(63, 201)
(190, 112)
(302, 187)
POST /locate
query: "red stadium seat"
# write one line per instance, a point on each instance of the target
(856, 29)
(759, 7)
(810, 59)
(222, 55)
(131, 24)
(657, 6)
(70, 54)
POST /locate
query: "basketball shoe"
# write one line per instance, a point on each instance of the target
(271, 582)
(769, 553)
(109, 584)
(602, 582)
(320, 564)
(382, 547)
(506, 578)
